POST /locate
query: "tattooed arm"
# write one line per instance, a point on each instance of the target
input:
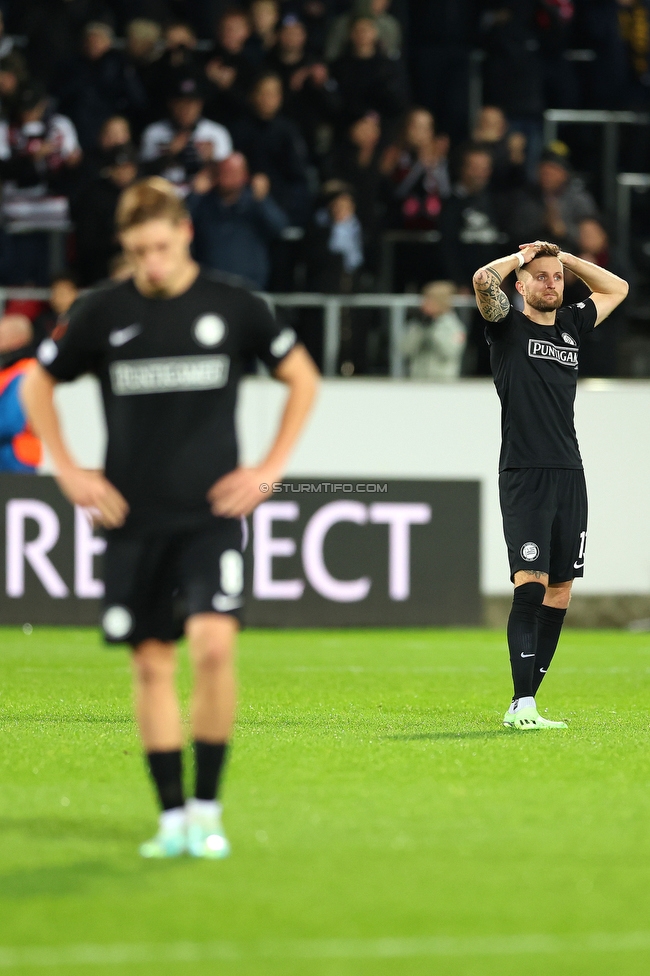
(492, 302)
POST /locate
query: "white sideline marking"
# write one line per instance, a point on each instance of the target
(435, 946)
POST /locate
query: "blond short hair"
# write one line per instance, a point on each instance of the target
(151, 199)
(441, 292)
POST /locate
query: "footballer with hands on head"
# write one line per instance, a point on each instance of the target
(534, 359)
(169, 347)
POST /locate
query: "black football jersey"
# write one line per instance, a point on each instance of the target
(535, 370)
(169, 370)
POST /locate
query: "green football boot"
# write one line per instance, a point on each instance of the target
(168, 842)
(205, 833)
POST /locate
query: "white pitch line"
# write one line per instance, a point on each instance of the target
(397, 948)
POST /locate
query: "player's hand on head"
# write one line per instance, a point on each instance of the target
(530, 251)
(239, 492)
(90, 489)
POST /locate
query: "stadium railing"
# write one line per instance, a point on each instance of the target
(610, 121)
(625, 183)
(396, 307)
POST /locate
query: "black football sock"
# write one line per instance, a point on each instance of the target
(166, 770)
(210, 758)
(549, 627)
(522, 636)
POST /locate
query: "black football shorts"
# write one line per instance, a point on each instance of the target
(155, 581)
(545, 520)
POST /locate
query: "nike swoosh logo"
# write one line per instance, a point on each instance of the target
(579, 565)
(121, 336)
(543, 670)
(528, 655)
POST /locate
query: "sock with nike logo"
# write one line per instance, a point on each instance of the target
(522, 636)
(549, 627)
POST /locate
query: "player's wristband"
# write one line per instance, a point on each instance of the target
(520, 257)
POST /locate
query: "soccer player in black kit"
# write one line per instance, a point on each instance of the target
(169, 347)
(534, 358)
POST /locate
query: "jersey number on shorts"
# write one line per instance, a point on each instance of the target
(580, 561)
(231, 566)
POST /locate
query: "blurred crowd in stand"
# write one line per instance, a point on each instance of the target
(318, 144)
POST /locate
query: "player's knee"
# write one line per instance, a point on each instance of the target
(153, 665)
(211, 642)
(529, 594)
(558, 597)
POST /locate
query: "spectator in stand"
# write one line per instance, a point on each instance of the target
(307, 95)
(116, 131)
(552, 208)
(388, 29)
(416, 166)
(513, 71)
(334, 242)
(272, 144)
(355, 160)
(98, 84)
(470, 227)
(143, 41)
(334, 259)
(599, 349)
(11, 82)
(634, 28)
(178, 59)
(235, 219)
(470, 221)
(230, 70)
(367, 79)
(8, 52)
(265, 17)
(619, 32)
(20, 449)
(52, 29)
(94, 214)
(179, 146)
(434, 341)
(64, 291)
(316, 15)
(508, 149)
(39, 152)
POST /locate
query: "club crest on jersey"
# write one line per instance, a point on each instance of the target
(529, 552)
(568, 339)
(542, 349)
(209, 330)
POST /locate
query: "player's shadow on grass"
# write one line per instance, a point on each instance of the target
(58, 880)
(434, 736)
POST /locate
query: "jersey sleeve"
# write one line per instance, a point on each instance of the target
(584, 316)
(266, 339)
(75, 351)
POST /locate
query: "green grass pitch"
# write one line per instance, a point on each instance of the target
(383, 822)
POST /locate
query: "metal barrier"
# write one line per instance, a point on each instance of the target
(626, 182)
(610, 122)
(396, 306)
